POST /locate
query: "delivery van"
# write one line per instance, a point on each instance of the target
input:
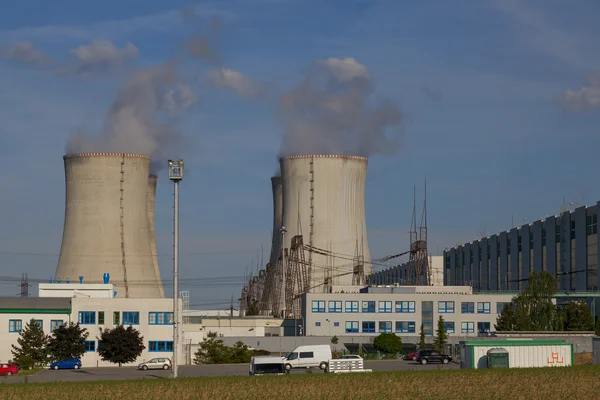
(308, 357)
(266, 365)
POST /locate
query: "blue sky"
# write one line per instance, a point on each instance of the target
(499, 101)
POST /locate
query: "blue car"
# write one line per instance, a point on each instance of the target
(67, 363)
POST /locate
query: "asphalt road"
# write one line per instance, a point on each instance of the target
(191, 371)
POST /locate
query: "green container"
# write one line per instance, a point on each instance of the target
(497, 358)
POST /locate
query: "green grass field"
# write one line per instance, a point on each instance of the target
(547, 383)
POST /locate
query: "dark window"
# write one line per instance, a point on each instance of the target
(520, 243)
(100, 317)
(592, 224)
(508, 246)
(467, 307)
(154, 346)
(90, 345)
(483, 327)
(307, 354)
(572, 230)
(368, 306)
(131, 318)
(531, 241)
(557, 238)
(116, 318)
(368, 326)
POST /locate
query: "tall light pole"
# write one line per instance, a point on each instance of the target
(283, 231)
(175, 175)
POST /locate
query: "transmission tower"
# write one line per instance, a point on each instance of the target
(418, 264)
(24, 285)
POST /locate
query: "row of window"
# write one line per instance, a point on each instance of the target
(16, 325)
(408, 327)
(444, 307)
(128, 318)
(153, 346)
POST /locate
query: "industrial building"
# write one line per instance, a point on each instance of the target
(400, 274)
(564, 245)
(109, 223)
(93, 306)
(402, 310)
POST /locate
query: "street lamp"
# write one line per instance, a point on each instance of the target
(283, 231)
(175, 175)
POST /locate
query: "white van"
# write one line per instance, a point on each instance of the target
(266, 365)
(308, 357)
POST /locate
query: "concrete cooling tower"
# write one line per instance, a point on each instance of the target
(107, 223)
(152, 181)
(324, 201)
(277, 219)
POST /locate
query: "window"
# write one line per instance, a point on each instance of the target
(483, 327)
(336, 324)
(405, 326)
(592, 224)
(500, 307)
(520, 243)
(351, 326)
(317, 324)
(131, 318)
(40, 322)
(445, 307)
(368, 326)
(385, 326)
(572, 230)
(467, 307)
(483, 308)
(467, 327)
(90, 346)
(154, 346)
(318, 306)
(87, 317)
(55, 323)
(335, 306)
(160, 318)
(15, 325)
(543, 237)
(385, 307)
(405, 306)
(307, 354)
(508, 246)
(100, 317)
(368, 306)
(352, 306)
(449, 326)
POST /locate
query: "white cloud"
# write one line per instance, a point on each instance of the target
(345, 69)
(26, 53)
(586, 98)
(235, 81)
(100, 56)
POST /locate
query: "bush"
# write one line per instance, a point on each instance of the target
(388, 343)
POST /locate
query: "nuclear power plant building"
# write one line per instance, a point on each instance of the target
(109, 223)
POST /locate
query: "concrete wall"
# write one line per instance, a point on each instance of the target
(94, 290)
(106, 225)
(152, 181)
(324, 200)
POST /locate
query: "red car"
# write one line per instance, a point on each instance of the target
(8, 369)
(413, 356)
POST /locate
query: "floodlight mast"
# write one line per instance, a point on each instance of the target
(175, 175)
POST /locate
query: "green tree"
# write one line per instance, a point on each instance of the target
(441, 336)
(597, 327)
(422, 344)
(506, 319)
(31, 350)
(578, 317)
(253, 309)
(120, 345)
(388, 343)
(211, 351)
(534, 310)
(239, 353)
(67, 341)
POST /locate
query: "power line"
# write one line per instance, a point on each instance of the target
(207, 253)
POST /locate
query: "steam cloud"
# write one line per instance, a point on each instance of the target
(140, 120)
(586, 98)
(329, 113)
(100, 56)
(25, 52)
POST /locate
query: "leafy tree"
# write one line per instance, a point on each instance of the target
(120, 345)
(597, 327)
(422, 344)
(335, 340)
(578, 316)
(441, 337)
(239, 353)
(211, 351)
(388, 343)
(67, 341)
(506, 319)
(31, 350)
(253, 309)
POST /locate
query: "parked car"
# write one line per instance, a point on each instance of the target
(349, 357)
(308, 357)
(66, 363)
(156, 363)
(8, 369)
(427, 356)
(413, 356)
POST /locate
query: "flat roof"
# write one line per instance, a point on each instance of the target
(516, 342)
(35, 304)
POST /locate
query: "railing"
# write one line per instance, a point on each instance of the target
(340, 366)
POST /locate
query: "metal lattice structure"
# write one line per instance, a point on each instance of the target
(418, 263)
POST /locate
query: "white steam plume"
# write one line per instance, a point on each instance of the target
(586, 98)
(330, 112)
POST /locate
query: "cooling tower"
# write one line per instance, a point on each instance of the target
(107, 223)
(151, 205)
(324, 201)
(277, 219)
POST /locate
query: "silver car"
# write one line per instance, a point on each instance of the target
(156, 363)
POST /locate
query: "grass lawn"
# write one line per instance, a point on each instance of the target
(544, 383)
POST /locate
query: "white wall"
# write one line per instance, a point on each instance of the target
(94, 290)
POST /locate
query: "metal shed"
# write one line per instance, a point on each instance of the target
(523, 353)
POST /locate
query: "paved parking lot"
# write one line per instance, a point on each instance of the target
(191, 371)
